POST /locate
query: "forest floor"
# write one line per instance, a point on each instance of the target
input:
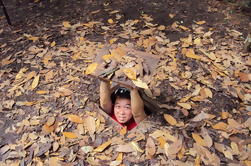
(49, 106)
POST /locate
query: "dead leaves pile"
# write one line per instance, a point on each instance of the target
(64, 127)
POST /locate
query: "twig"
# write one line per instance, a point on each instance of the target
(5, 12)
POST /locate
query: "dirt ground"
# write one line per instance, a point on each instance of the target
(43, 19)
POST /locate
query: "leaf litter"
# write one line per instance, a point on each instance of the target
(203, 78)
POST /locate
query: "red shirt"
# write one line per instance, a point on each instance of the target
(130, 124)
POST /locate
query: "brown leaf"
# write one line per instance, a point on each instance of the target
(70, 135)
(126, 148)
(198, 139)
(91, 68)
(185, 105)
(103, 146)
(90, 124)
(150, 148)
(174, 148)
(75, 118)
(130, 73)
(190, 54)
(220, 126)
(170, 119)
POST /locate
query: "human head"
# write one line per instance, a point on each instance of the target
(122, 105)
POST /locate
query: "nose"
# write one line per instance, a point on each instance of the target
(122, 111)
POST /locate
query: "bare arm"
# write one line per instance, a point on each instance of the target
(137, 105)
(105, 96)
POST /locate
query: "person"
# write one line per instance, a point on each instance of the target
(124, 105)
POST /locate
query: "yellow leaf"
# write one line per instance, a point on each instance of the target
(70, 135)
(110, 21)
(42, 92)
(91, 68)
(139, 83)
(131, 74)
(66, 24)
(197, 161)
(103, 146)
(185, 105)
(136, 147)
(119, 157)
(123, 131)
(54, 161)
(200, 22)
(90, 124)
(162, 141)
(150, 148)
(75, 118)
(170, 119)
(161, 27)
(224, 115)
(206, 92)
(111, 41)
(190, 54)
(107, 57)
(184, 28)
(53, 44)
(220, 126)
(198, 139)
(244, 77)
(197, 42)
(35, 82)
(235, 148)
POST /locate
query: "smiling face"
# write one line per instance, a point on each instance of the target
(122, 110)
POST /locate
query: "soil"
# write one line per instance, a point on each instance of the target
(41, 18)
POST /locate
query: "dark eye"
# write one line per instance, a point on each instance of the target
(117, 106)
(128, 107)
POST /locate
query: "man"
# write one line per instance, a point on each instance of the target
(125, 106)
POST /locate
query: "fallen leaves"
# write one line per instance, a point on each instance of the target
(75, 118)
(170, 119)
(103, 146)
(91, 68)
(70, 135)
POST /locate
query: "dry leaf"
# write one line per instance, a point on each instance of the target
(190, 54)
(224, 115)
(70, 135)
(185, 105)
(103, 146)
(66, 24)
(91, 68)
(54, 161)
(201, 116)
(107, 57)
(139, 83)
(162, 141)
(110, 21)
(50, 121)
(220, 126)
(208, 140)
(174, 148)
(200, 22)
(90, 124)
(123, 131)
(75, 118)
(244, 77)
(206, 92)
(53, 44)
(198, 139)
(136, 146)
(171, 120)
(130, 73)
(150, 148)
(127, 148)
(35, 82)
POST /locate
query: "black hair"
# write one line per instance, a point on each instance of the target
(122, 93)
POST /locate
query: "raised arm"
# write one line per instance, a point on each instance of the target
(105, 96)
(137, 106)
